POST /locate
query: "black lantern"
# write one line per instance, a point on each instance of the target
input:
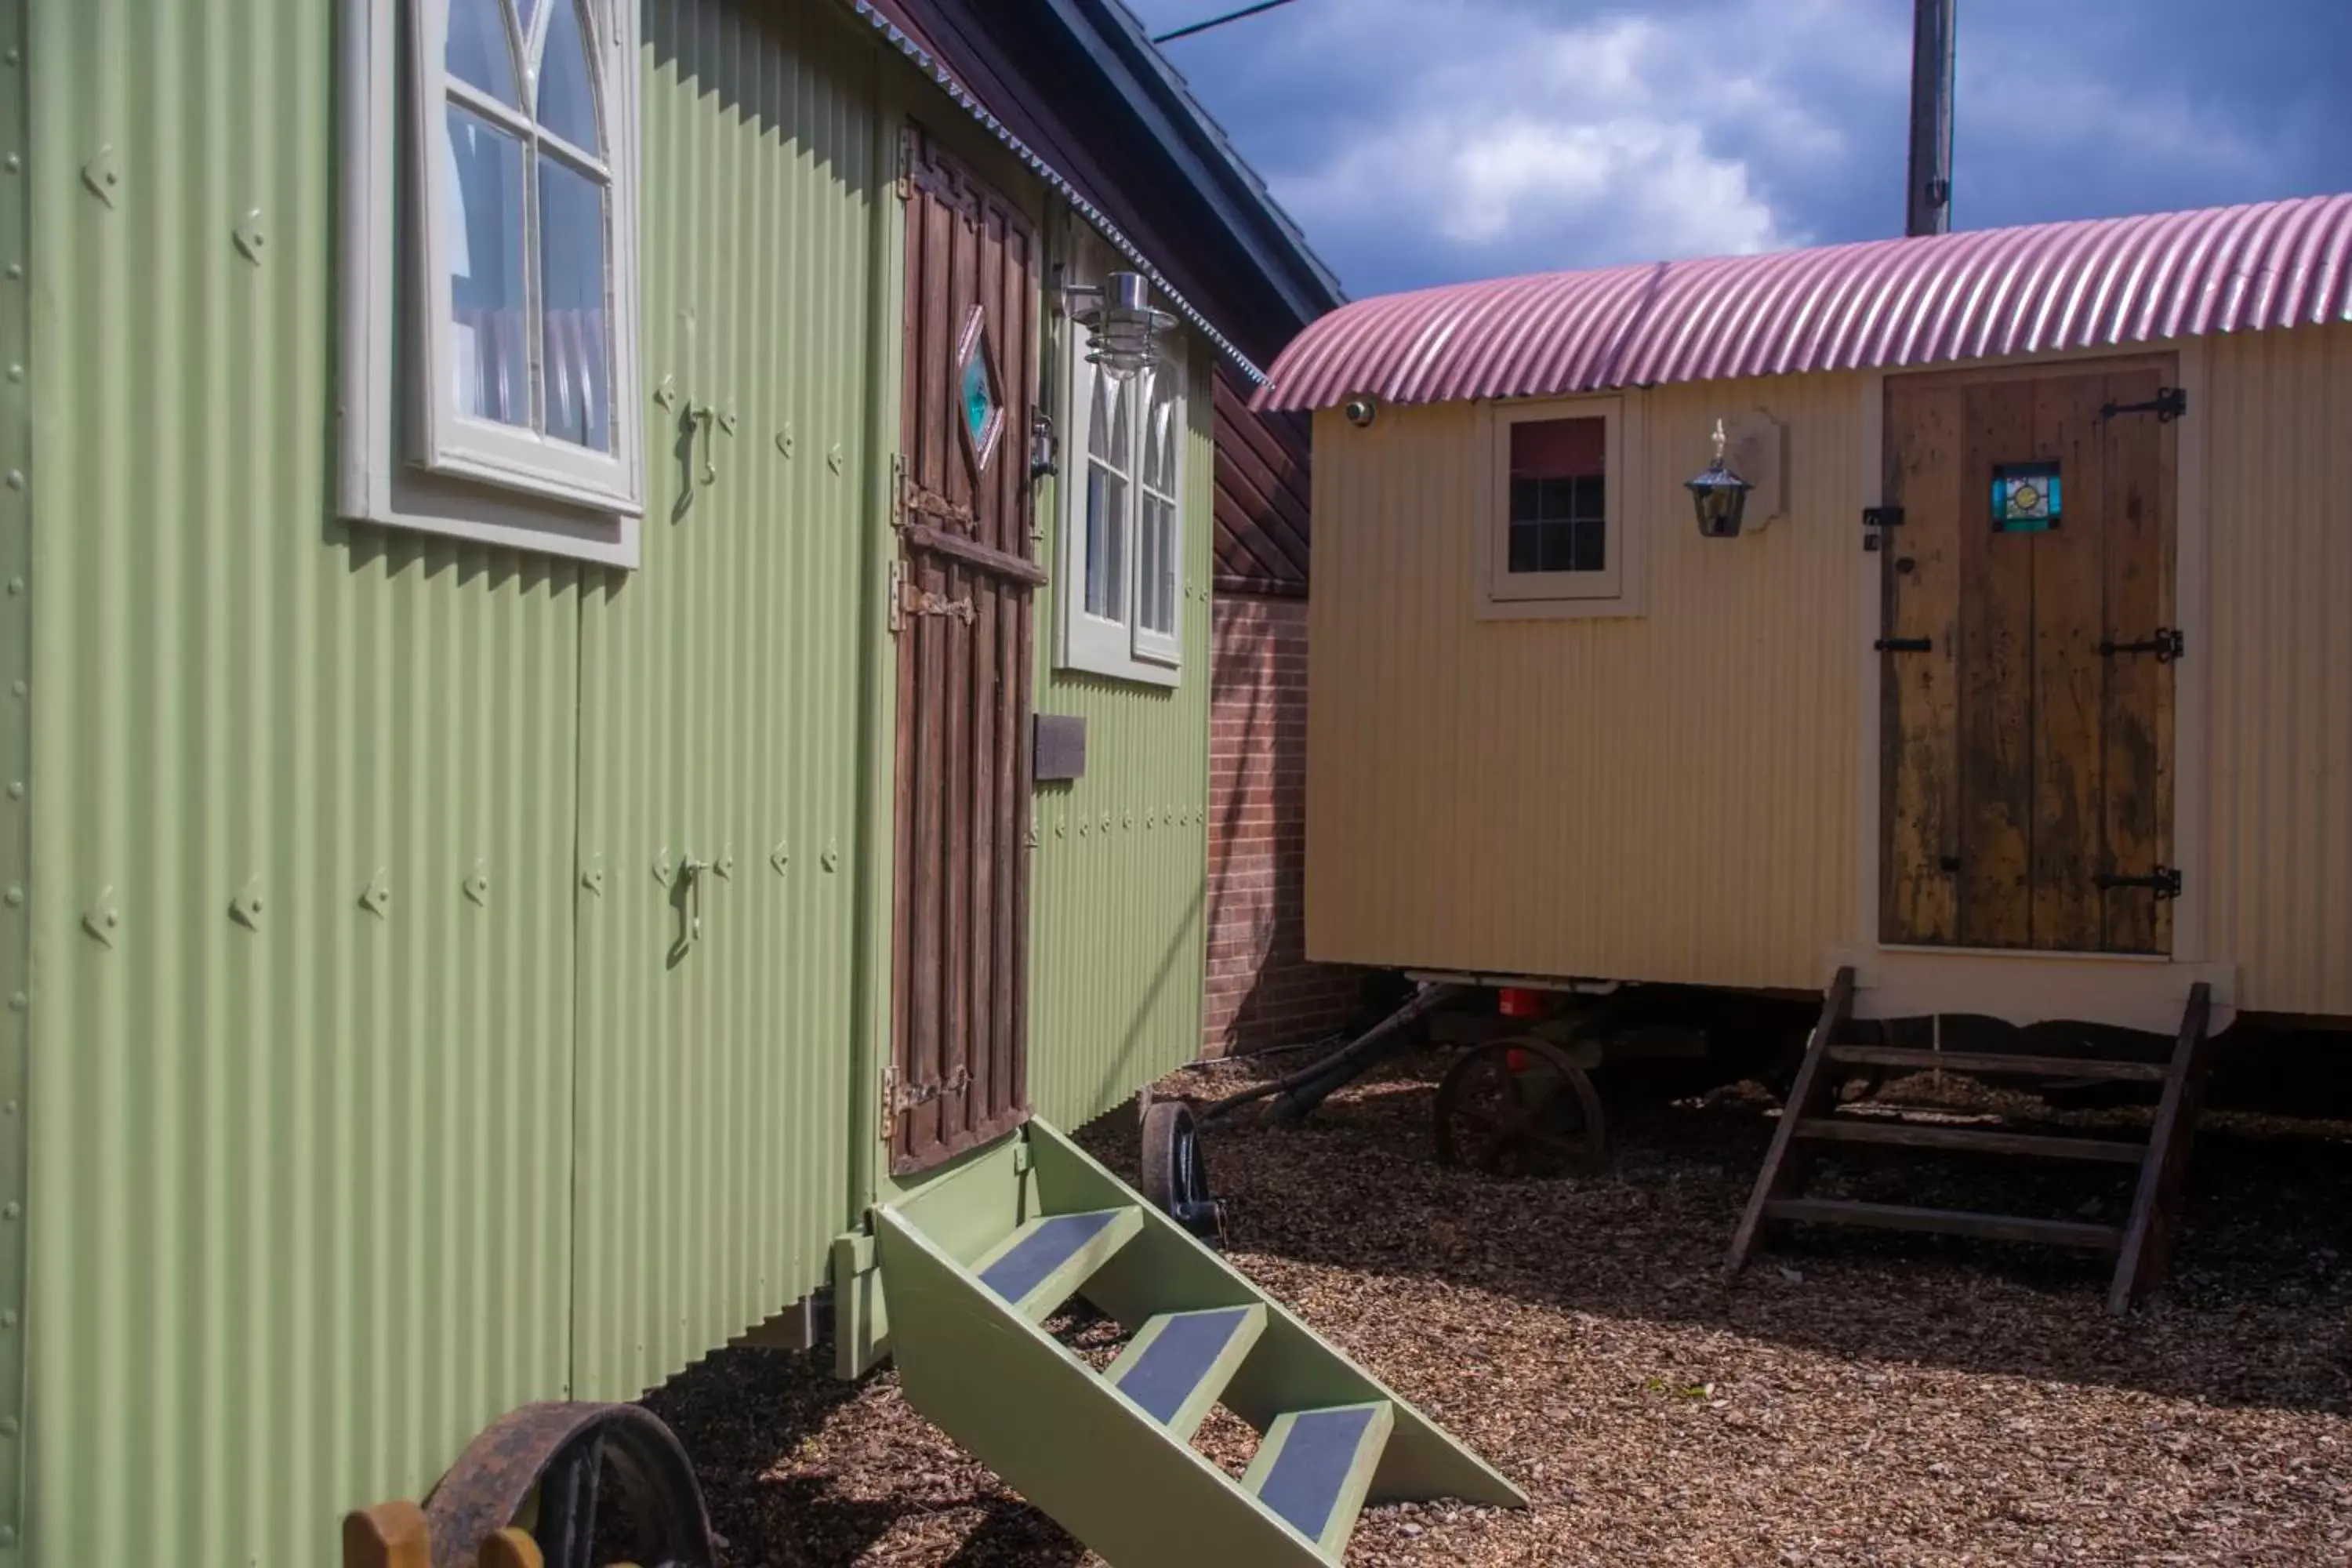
(1719, 495)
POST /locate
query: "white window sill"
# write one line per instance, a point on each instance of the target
(1119, 667)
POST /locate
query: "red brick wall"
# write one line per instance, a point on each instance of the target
(1261, 989)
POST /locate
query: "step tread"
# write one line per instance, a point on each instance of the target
(1984, 1140)
(1043, 1263)
(1999, 1062)
(1948, 1221)
(1314, 1467)
(1179, 1362)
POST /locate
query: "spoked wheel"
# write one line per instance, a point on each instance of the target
(1176, 1173)
(571, 1486)
(1519, 1107)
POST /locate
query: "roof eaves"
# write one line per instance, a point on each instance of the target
(964, 99)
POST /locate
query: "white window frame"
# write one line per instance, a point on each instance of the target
(408, 457)
(1123, 649)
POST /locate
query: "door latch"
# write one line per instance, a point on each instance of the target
(2164, 882)
(2170, 403)
(897, 1098)
(1905, 645)
(1876, 521)
(2167, 645)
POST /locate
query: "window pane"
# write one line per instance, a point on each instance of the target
(1159, 562)
(576, 362)
(1589, 545)
(1159, 435)
(567, 103)
(485, 269)
(477, 52)
(1106, 543)
(1592, 498)
(528, 10)
(1527, 547)
(1103, 419)
(1560, 448)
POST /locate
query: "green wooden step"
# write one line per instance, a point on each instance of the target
(1179, 1362)
(1041, 1266)
(1314, 1467)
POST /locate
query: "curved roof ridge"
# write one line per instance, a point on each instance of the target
(1860, 304)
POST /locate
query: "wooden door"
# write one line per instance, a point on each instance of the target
(960, 608)
(2027, 662)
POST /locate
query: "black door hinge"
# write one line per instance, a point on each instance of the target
(2170, 403)
(2167, 645)
(2165, 883)
(1876, 521)
(1905, 645)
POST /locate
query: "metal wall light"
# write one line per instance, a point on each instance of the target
(1719, 495)
(1118, 317)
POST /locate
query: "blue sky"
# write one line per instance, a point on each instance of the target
(1425, 140)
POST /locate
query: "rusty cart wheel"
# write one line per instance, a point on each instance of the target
(1176, 1173)
(1519, 1107)
(587, 1485)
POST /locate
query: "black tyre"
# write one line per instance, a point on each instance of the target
(1175, 1170)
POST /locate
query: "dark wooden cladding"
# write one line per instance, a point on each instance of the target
(2024, 759)
(1261, 499)
(960, 928)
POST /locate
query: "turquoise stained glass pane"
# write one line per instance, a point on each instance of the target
(2025, 498)
(978, 402)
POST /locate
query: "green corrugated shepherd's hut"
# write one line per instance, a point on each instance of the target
(534, 531)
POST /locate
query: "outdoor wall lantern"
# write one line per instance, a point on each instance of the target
(1719, 495)
(1118, 316)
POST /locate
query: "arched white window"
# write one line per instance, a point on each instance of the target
(511, 139)
(1121, 565)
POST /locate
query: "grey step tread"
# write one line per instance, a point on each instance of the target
(1313, 1469)
(1179, 1362)
(1999, 1062)
(1042, 1264)
(1981, 1140)
(1948, 1221)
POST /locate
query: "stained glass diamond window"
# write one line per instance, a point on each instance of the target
(983, 409)
(2025, 498)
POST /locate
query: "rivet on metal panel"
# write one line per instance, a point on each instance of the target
(16, 789)
(833, 458)
(477, 886)
(246, 908)
(8, 1319)
(666, 392)
(781, 858)
(15, 272)
(376, 897)
(12, 56)
(7, 1426)
(831, 859)
(1127, 818)
(784, 440)
(15, 585)
(1085, 828)
(101, 920)
(17, 687)
(16, 896)
(1150, 819)
(1105, 822)
(591, 876)
(16, 479)
(248, 236)
(11, 1210)
(18, 1002)
(1062, 828)
(102, 174)
(15, 371)
(663, 868)
(725, 865)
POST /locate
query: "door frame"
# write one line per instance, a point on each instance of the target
(2092, 977)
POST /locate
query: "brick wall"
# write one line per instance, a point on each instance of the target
(1261, 989)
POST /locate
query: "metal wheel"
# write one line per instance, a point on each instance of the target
(1519, 1107)
(587, 1485)
(1175, 1170)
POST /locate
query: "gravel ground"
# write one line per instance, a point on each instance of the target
(1863, 1399)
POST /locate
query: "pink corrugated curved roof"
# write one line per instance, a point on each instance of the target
(1975, 295)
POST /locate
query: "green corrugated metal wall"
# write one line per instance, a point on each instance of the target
(1122, 853)
(719, 707)
(335, 1154)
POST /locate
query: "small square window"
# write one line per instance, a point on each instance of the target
(1557, 538)
(2025, 498)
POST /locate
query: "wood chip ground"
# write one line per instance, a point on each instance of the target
(1859, 1399)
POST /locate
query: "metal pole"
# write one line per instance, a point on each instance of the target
(1928, 207)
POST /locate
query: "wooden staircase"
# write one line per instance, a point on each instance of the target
(1809, 1119)
(1108, 1453)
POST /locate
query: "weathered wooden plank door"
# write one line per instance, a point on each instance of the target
(2027, 673)
(960, 604)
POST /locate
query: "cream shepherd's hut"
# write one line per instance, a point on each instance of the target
(2020, 687)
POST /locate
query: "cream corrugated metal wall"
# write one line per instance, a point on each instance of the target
(2277, 470)
(308, 1204)
(1666, 797)
(719, 707)
(1116, 953)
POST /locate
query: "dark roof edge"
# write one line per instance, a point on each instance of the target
(1167, 104)
(939, 73)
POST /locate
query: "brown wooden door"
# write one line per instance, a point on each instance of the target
(960, 604)
(2027, 675)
